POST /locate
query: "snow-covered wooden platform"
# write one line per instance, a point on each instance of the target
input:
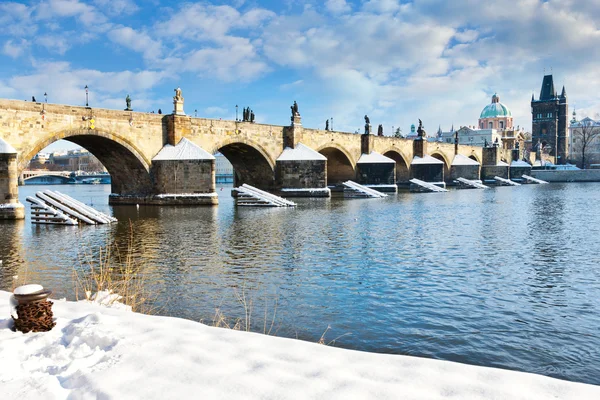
(470, 184)
(531, 179)
(426, 186)
(506, 182)
(353, 190)
(52, 207)
(251, 196)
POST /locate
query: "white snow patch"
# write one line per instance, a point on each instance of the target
(308, 190)
(12, 205)
(375, 158)
(520, 163)
(301, 153)
(28, 289)
(425, 160)
(459, 159)
(176, 195)
(99, 352)
(6, 148)
(184, 150)
(502, 164)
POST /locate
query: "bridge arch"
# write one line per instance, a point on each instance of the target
(127, 166)
(402, 165)
(442, 157)
(340, 165)
(252, 164)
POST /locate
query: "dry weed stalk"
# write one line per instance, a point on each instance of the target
(110, 272)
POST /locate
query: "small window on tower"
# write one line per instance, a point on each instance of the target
(549, 115)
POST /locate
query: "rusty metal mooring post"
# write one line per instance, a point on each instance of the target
(34, 311)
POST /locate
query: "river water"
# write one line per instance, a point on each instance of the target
(507, 277)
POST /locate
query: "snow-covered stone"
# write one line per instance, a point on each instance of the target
(301, 153)
(184, 150)
(375, 158)
(520, 163)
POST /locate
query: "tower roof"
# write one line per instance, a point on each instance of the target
(547, 92)
(495, 109)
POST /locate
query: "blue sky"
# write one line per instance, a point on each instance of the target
(397, 61)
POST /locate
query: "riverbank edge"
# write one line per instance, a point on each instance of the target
(95, 350)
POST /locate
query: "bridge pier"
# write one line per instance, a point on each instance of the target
(492, 165)
(10, 207)
(374, 169)
(300, 171)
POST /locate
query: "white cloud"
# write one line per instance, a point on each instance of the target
(54, 43)
(337, 6)
(287, 86)
(117, 7)
(66, 85)
(215, 111)
(382, 6)
(15, 50)
(138, 41)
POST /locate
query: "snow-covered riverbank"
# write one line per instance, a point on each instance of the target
(99, 352)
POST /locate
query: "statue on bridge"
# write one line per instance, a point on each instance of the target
(128, 103)
(380, 130)
(367, 120)
(178, 103)
(251, 116)
(327, 125)
(421, 130)
(178, 96)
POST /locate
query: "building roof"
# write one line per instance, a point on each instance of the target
(300, 152)
(426, 160)
(495, 109)
(184, 150)
(459, 159)
(548, 92)
(375, 158)
(6, 148)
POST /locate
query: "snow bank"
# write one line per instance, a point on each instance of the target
(99, 352)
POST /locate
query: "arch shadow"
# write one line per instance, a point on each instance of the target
(340, 167)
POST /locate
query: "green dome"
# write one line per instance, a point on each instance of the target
(495, 109)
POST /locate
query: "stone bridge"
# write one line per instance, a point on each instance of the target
(128, 144)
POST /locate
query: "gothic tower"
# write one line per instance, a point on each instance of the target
(550, 114)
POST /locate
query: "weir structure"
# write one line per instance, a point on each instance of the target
(167, 159)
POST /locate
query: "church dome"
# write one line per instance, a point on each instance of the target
(495, 109)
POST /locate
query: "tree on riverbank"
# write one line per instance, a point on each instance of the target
(584, 134)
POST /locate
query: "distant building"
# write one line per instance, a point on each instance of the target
(495, 126)
(224, 169)
(75, 160)
(549, 115)
(496, 116)
(469, 135)
(592, 151)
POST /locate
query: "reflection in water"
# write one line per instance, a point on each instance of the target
(506, 277)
